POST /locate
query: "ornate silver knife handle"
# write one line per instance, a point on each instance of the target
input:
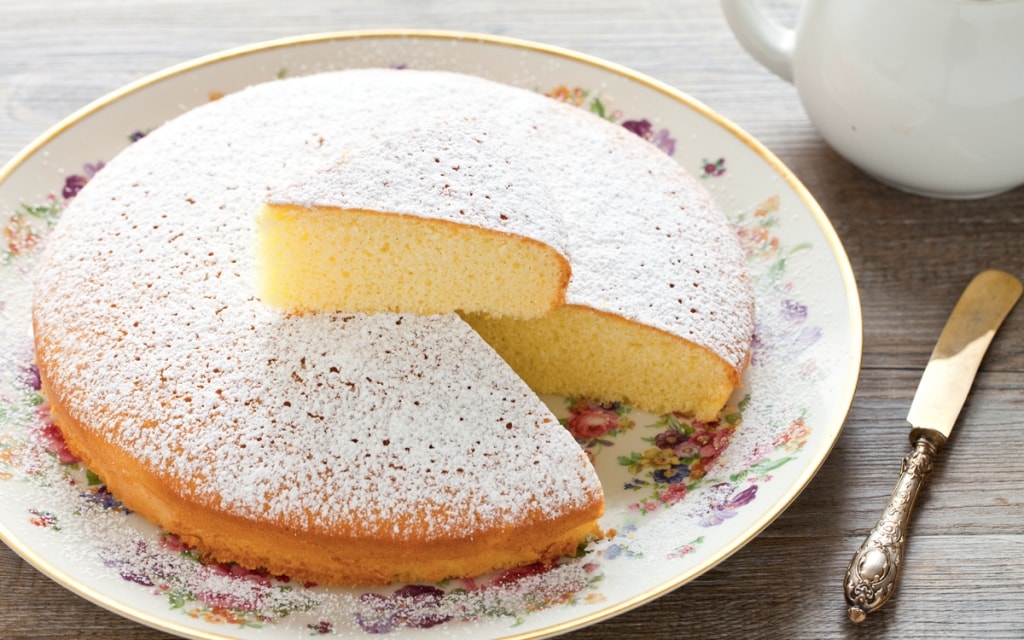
(874, 572)
(875, 569)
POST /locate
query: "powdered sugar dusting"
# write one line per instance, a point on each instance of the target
(465, 170)
(648, 241)
(149, 301)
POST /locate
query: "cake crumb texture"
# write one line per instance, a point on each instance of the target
(433, 214)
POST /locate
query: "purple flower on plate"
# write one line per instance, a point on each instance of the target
(31, 377)
(102, 497)
(794, 311)
(672, 475)
(74, 183)
(323, 628)
(414, 606)
(721, 510)
(664, 141)
(642, 128)
(645, 130)
(670, 439)
(712, 169)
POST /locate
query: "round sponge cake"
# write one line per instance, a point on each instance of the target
(338, 448)
(373, 446)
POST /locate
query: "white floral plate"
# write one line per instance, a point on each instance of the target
(681, 495)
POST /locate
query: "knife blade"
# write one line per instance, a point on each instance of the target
(875, 568)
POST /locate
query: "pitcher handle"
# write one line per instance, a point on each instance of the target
(768, 42)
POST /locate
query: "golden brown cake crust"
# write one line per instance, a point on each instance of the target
(320, 557)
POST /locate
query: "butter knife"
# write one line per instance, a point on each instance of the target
(874, 571)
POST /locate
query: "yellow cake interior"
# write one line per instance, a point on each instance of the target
(328, 259)
(578, 351)
(509, 288)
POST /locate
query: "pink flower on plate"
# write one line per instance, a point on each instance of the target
(795, 437)
(712, 168)
(712, 439)
(44, 519)
(53, 441)
(592, 421)
(246, 591)
(674, 493)
(172, 542)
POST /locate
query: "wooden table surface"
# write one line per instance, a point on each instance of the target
(964, 573)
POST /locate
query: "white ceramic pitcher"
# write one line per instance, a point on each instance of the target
(925, 95)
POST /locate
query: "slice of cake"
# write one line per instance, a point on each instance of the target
(476, 214)
(659, 310)
(577, 350)
(424, 218)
